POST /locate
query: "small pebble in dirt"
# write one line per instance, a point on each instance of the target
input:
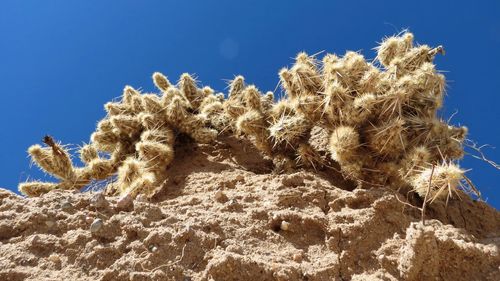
(89, 219)
(50, 223)
(125, 203)
(35, 240)
(297, 257)
(220, 196)
(99, 201)
(285, 226)
(54, 258)
(66, 206)
(153, 248)
(234, 249)
(96, 225)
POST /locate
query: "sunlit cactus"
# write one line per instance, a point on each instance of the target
(439, 182)
(161, 82)
(380, 118)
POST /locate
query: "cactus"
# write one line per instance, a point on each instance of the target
(381, 121)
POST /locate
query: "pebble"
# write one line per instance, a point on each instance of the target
(89, 219)
(66, 206)
(54, 258)
(99, 201)
(96, 225)
(50, 223)
(153, 248)
(125, 203)
(220, 196)
(285, 225)
(297, 257)
(35, 240)
(235, 249)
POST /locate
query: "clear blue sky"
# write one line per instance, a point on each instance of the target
(60, 61)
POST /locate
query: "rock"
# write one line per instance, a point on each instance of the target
(66, 206)
(220, 197)
(89, 219)
(50, 223)
(298, 256)
(153, 248)
(285, 226)
(99, 201)
(235, 249)
(125, 203)
(96, 225)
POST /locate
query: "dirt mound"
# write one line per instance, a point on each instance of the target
(224, 215)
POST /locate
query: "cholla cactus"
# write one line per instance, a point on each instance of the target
(135, 141)
(54, 159)
(381, 121)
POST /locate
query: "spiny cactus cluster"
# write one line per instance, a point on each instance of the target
(381, 120)
(135, 140)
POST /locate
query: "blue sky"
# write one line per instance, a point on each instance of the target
(60, 61)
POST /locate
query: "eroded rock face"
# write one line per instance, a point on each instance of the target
(298, 226)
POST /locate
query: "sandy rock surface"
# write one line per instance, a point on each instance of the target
(223, 215)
